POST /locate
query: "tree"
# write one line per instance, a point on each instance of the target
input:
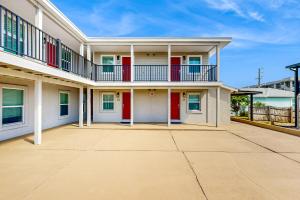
(238, 103)
(259, 104)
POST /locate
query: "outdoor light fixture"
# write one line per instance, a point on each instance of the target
(184, 95)
(118, 57)
(118, 95)
(183, 57)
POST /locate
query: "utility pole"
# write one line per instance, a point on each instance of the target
(259, 76)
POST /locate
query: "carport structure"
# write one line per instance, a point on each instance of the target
(247, 93)
(295, 69)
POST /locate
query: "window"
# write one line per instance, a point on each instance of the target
(65, 59)
(64, 103)
(194, 102)
(10, 35)
(108, 101)
(12, 106)
(194, 64)
(108, 63)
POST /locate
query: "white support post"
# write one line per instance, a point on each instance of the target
(81, 107)
(217, 106)
(169, 106)
(39, 37)
(218, 62)
(38, 111)
(131, 106)
(39, 18)
(132, 62)
(88, 52)
(88, 106)
(81, 50)
(169, 61)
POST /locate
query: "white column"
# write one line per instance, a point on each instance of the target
(218, 62)
(38, 111)
(39, 18)
(88, 52)
(39, 37)
(169, 62)
(81, 107)
(217, 106)
(132, 62)
(169, 106)
(88, 106)
(81, 50)
(131, 106)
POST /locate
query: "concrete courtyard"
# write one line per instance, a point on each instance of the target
(185, 162)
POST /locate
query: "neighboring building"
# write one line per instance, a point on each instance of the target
(273, 97)
(287, 84)
(49, 68)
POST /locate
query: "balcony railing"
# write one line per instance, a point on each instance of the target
(112, 73)
(20, 37)
(193, 73)
(151, 72)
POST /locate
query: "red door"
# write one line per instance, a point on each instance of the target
(175, 105)
(51, 54)
(175, 68)
(126, 65)
(126, 105)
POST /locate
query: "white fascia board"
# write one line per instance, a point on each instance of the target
(21, 62)
(156, 84)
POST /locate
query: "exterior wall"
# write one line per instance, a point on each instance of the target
(24, 9)
(107, 116)
(158, 58)
(150, 108)
(50, 107)
(275, 101)
(154, 108)
(225, 108)
(56, 31)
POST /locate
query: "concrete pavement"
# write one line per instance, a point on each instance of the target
(148, 162)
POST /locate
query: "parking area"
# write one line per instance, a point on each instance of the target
(110, 161)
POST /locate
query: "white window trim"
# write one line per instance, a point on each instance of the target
(16, 124)
(188, 62)
(188, 101)
(101, 62)
(59, 104)
(101, 102)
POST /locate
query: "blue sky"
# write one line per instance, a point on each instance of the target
(266, 33)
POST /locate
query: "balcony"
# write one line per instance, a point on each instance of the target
(21, 38)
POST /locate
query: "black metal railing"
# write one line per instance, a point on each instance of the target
(193, 73)
(20, 37)
(108, 73)
(151, 72)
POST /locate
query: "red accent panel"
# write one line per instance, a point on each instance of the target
(175, 68)
(175, 105)
(51, 55)
(126, 105)
(126, 65)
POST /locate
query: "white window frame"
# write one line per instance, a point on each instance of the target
(188, 102)
(101, 101)
(188, 63)
(16, 124)
(101, 61)
(59, 104)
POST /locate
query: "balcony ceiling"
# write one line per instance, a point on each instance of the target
(152, 48)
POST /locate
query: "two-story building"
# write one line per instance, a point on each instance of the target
(52, 74)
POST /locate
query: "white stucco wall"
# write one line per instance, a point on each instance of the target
(150, 108)
(50, 107)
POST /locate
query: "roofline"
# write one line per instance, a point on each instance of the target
(80, 35)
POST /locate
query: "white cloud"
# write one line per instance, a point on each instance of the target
(235, 7)
(256, 16)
